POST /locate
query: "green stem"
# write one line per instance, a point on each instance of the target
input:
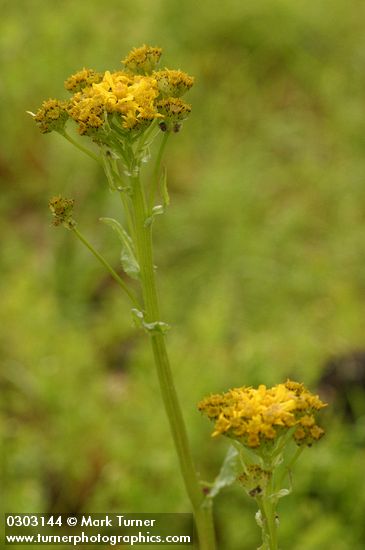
(268, 503)
(83, 149)
(156, 171)
(106, 264)
(203, 515)
(269, 528)
(264, 523)
(289, 466)
(272, 526)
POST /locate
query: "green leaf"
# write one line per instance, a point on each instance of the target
(280, 494)
(137, 317)
(231, 468)
(156, 211)
(157, 327)
(109, 172)
(154, 327)
(127, 257)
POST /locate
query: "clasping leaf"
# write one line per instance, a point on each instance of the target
(127, 257)
(229, 471)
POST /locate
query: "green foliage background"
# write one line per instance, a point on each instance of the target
(260, 257)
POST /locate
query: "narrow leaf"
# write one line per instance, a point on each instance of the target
(163, 187)
(137, 317)
(156, 211)
(228, 473)
(156, 327)
(280, 494)
(127, 257)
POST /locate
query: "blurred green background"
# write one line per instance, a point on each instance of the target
(260, 257)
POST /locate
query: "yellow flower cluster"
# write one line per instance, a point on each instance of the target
(142, 60)
(88, 111)
(82, 79)
(131, 98)
(257, 416)
(173, 83)
(52, 116)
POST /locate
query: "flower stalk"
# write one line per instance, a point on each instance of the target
(122, 112)
(262, 424)
(203, 515)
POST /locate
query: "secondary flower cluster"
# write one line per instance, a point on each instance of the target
(61, 209)
(126, 100)
(258, 416)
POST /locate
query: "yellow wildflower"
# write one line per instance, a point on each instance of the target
(142, 60)
(299, 434)
(174, 111)
(316, 432)
(88, 111)
(130, 96)
(307, 420)
(258, 416)
(82, 79)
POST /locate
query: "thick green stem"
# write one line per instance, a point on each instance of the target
(268, 518)
(263, 523)
(268, 504)
(156, 171)
(271, 524)
(203, 515)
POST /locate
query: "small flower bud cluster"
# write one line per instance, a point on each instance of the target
(173, 83)
(174, 111)
(142, 60)
(61, 209)
(82, 79)
(51, 116)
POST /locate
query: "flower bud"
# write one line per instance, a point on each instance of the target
(142, 60)
(52, 116)
(173, 83)
(174, 111)
(61, 209)
(82, 79)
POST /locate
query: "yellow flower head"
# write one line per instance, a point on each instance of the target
(258, 416)
(131, 97)
(174, 111)
(88, 111)
(173, 83)
(51, 116)
(108, 106)
(82, 79)
(142, 60)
